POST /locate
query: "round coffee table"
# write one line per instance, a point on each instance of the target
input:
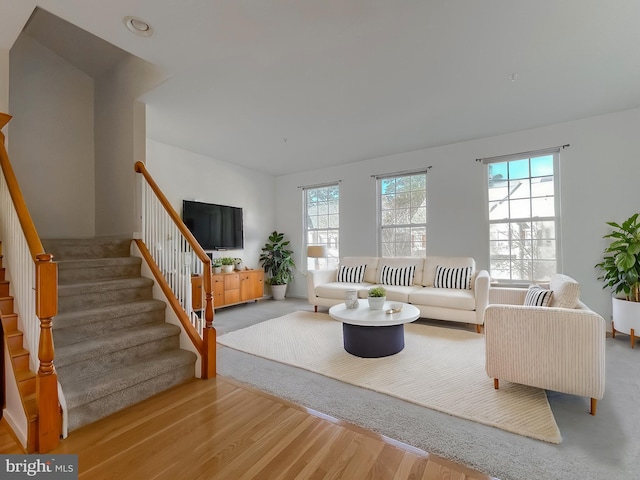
(373, 333)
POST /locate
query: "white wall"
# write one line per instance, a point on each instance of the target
(120, 129)
(183, 175)
(51, 146)
(598, 183)
(4, 80)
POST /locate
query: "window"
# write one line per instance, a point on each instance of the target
(523, 227)
(322, 222)
(403, 215)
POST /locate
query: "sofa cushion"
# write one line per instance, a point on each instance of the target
(371, 272)
(450, 277)
(566, 291)
(397, 293)
(351, 274)
(537, 296)
(400, 276)
(431, 263)
(401, 262)
(339, 289)
(444, 297)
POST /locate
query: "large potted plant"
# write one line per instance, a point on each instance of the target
(276, 259)
(621, 273)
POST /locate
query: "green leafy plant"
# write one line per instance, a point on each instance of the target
(277, 260)
(227, 261)
(621, 263)
(216, 262)
(377, 292)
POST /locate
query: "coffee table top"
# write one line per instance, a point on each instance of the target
(366, 317)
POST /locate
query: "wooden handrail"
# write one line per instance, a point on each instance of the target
(46, 290)
(29, 229)
(208, 348)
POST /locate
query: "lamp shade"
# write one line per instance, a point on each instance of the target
(317, 251)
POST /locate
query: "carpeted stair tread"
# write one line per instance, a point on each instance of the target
(80, 296)
(90, 389)
(100, 346)
(110, 313)
(83, 288)
(94, 269)
(78, 326)
(76, 248)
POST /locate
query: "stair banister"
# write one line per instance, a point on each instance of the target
(37, 327)
(205, 342)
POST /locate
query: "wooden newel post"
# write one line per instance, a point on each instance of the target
(49, 421)
(209, 340)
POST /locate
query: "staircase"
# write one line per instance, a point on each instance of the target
(112, 345)
(19, 358)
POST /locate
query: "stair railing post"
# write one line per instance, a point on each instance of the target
(208, 369)
(49, 422)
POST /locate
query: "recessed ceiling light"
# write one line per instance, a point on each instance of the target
(137, 26)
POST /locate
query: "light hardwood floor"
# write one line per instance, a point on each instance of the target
(220, 429)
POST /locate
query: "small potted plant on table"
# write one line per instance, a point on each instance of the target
(377, 297)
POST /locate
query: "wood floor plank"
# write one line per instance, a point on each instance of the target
(8, 442)
(220, 429)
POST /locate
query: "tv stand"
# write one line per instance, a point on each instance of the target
(229, 288)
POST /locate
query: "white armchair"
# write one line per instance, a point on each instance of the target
(555, 348)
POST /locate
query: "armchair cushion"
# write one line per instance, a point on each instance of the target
(566, 291)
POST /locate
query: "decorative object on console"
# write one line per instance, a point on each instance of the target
(537, 296)
(377, 298)
(317, 251)
(277, 261)
(227, 264)
(238, 263)
(216, 265)
(621, 273)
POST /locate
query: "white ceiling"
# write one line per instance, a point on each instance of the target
(284, 86)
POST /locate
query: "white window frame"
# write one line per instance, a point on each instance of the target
(382, 251)
(332, 238)
(555, 152)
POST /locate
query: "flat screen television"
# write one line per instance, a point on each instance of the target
(215, 227)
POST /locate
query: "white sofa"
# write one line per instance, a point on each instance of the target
(455, 304)
(559, 347)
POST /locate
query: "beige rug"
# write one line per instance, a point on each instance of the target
(439, 368)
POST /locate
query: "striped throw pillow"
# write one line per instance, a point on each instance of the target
(537, 297)
(458, 278)
(401, 276)
(351, 274)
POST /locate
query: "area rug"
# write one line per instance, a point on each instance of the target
(439, 368)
